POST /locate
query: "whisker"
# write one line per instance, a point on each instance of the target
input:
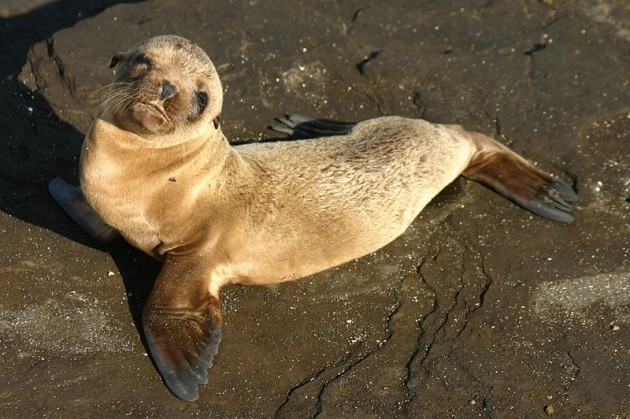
(116, 97)
(103, 90)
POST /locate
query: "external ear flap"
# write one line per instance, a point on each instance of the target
(116, 59)
(216, 121)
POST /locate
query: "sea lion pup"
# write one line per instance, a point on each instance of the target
(156, 167)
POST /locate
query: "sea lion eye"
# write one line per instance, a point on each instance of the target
(142, 60)
(202, 100)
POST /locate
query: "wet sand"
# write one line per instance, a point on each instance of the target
(479, 309)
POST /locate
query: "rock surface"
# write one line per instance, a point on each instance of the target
(479, 309)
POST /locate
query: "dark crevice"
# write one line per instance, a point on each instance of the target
(457, 303)
(416, 99)
(310, 378)
(344, 370)
(61, 70)
(538, 46)
(416, 350)
(324, 386)
(344, 360)
(379, 346)
(355, 16)
(497, 123)
(372, 91)
(407, 377)
(480, 295)
(574, 370)
(371, 56)
(377, 101)
(487, 284)
(427, 322)
(411, 395)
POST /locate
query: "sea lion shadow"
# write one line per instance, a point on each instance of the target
(138, 272)
(29, 160)
(38, 145)
(34, 157)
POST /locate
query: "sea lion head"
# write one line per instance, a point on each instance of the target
(165, 88)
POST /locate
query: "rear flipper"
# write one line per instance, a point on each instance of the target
(513, 177)
(298, 126)
(73, 202)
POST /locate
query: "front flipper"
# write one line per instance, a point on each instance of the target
(298, 126)
(182, 325)
(513, 177)
(73, 202)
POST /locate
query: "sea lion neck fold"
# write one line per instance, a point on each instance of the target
(103, 130)
(110, 151)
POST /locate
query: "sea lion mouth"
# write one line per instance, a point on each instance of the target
(151, 117)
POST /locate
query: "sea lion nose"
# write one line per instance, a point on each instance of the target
(168, 90)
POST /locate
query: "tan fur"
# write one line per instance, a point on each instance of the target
(158, 169)
(270, 212)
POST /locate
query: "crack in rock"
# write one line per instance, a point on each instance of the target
(379, 346)
(416, 99)
(371, 56)
(309, 379)
(457, 291)
(477, 298)
(67, 81)
(342, 366)
(355, 16)
(424, 324)
(573, 371)
(416, 350)
(497, 123)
